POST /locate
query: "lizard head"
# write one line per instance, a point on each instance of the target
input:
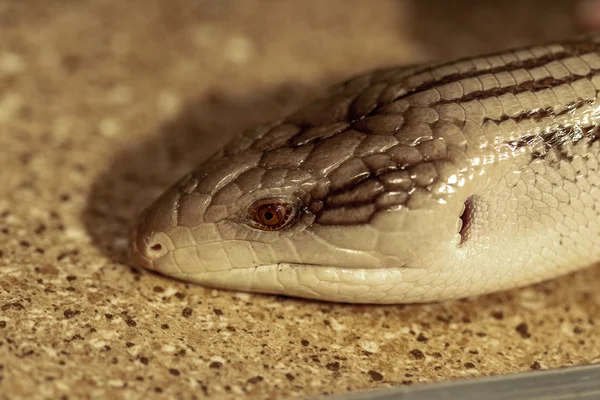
(328, 204)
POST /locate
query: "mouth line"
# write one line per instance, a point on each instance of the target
(295, 266)
(313, 281)
(139, 259)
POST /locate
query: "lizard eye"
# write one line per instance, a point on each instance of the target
(270, 214)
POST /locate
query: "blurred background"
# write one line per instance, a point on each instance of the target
(104, 103)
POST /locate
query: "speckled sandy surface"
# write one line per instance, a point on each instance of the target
(104, 103)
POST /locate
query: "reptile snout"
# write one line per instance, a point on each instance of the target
(146, 248)
(149, 239)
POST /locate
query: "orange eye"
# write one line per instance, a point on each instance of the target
(270, 215)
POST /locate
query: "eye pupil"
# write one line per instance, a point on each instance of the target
(270, 214)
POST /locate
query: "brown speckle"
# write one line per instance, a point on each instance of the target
(75, 337)
(215, 365)
(334, 366)
(422, 338)
(497, 315)
(144, 360)
(535, 365)
(2, 324)
(204, 389)
(71, 62)
(304, 342)
(187, 312)
(174, 372)
(418, 354)
(289, 377)
(71, 313)
(469, 365)
(376, 376)
(218, 312)
(523, 330)
(256, 379)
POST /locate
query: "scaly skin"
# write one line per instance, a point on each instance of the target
(380, 171)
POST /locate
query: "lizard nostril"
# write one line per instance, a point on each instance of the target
(156, 247)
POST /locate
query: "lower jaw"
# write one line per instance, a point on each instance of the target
(356, 285)
(324, 283)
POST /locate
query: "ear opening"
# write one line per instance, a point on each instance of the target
(466, 218)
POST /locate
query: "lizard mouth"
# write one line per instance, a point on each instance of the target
(309, 281)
